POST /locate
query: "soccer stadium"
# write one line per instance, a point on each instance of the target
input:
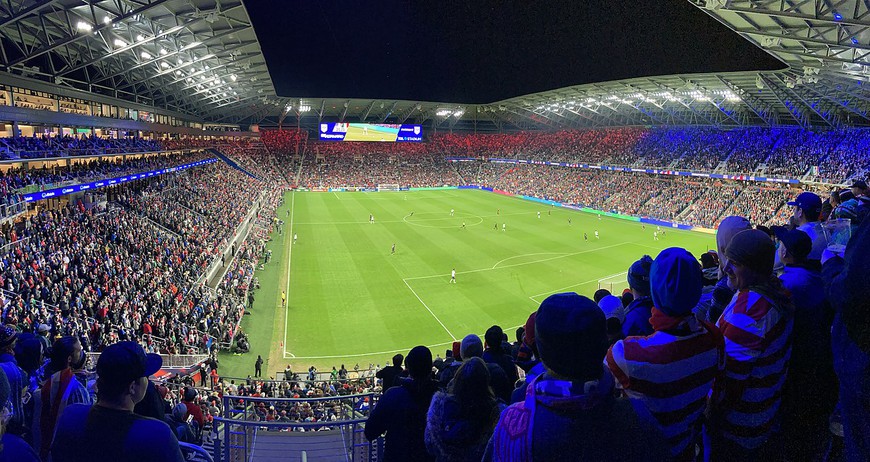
(596, 231)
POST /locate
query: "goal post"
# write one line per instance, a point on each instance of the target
(614, 283)
(388, 187)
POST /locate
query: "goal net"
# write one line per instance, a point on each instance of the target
(615, 283)
(388, 187)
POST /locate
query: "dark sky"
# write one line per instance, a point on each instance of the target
(481, 51)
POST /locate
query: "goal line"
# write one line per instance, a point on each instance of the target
(615, 284)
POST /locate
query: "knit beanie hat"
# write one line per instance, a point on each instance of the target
(571, 334)
(676, 280)
(754, 249)
(471, 346)
(638, 274)
(419, 362)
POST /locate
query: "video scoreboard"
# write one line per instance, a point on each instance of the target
(388, 133)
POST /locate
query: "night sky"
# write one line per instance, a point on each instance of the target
(483, 51)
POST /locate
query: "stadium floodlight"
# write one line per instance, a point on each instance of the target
(106, 20)
(164, 65)
(84, 27)
(120, 43)
(304, 108)
(163, 51)
(140, 38)
(838, 16)
(233, 77)
(145, 55)
(443, 112)
(458, 113)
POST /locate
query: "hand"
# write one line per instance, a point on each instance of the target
(828, 254)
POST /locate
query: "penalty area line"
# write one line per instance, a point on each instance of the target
(429, 310)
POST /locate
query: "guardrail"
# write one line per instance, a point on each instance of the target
(171, 361)
(244, 436)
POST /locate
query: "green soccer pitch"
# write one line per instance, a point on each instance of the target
(351, 301)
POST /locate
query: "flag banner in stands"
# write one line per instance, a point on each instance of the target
(389, 133)
(74, 188)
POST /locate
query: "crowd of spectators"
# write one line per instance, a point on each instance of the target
(62, 146)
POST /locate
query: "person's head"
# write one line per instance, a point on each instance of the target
(122, 374)
(709, 259)
(807, 208)
(727, 229)
(611, 305)
(470, 347)
(570, 332)
(397, 360)
(67, 352)
(529, 333)
(43, 330)
(676, 281)
(834, 198)
(750, 259)
(520, 332)
(494, 336)
(766, 230)
(472, 381)
(29, 352)
(179, 412)
(189, 395)
(599, 294)
(859, 188)
(419, 363)
(8, 339)
(638, 276)
(794, 245)
(627, 297)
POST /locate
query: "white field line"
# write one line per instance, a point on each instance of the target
(289, 261)
(429, 310)
(364, 222)
(520, 264)
(401, 350)
(526, 255)
(555, 291)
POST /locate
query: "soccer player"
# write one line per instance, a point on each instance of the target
(295, 236)
(463, 225)
(655, 235)
(599, 217)
(451, 212)
(495, 226)
(412, 213)
(596, 234)
(503, 226)
(585, 237)
(453, 275)
(393, 249)
(498, 211)
(283, 298)
(569, 221)
(539, 214)
(371, 219)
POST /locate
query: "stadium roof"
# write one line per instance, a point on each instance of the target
(199, 57)
(202, 57)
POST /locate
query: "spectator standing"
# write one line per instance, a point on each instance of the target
(401, 411)
(109, 430)
(62, 389)
(810, 389)
(460, 421)
(669, 373)
(495, 354)
(807, 209)
(389, 374)
(757, 327)
(847, 288)
(638, 312)
(569, 412)
(716, 297)
(258, 366)
(17, 378)
(12, 447)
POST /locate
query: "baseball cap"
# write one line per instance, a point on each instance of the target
(797, 242)
(125, 362)
(43, 328)
(808, 202)
(859, 184)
